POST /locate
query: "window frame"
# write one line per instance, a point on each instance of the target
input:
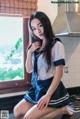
(19, 85)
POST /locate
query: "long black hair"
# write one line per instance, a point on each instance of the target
(48, 32)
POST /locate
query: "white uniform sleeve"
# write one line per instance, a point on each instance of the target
(58, 54)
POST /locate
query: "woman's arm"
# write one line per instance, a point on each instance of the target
(29, 61)
(30, 51)
(58, 55)
(56, 80)
(43, 102)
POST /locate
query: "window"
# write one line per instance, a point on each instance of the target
(13, 37)
(11, 49)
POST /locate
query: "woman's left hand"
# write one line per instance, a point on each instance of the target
(43, 102)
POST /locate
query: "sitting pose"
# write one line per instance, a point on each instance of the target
(47, 97)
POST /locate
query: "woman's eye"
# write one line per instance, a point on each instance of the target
(40, 25)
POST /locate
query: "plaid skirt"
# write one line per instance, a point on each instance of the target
(59, 98)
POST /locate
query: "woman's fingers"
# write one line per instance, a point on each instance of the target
(36, 45)
(46, 105)
(42, 104)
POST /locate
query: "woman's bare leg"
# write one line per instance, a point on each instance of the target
(48, 113)
(21, 108)
(56, 112)
(35, 113)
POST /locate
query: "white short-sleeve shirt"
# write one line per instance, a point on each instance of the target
(57, 58)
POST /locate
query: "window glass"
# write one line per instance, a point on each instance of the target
(11, 49)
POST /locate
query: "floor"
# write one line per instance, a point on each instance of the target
(75, 116)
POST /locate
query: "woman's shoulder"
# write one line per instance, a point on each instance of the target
(58, 39)
(58, 46)
(58, 43)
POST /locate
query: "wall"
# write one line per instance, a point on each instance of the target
(72, 47)
(49, 8)
(71, 76)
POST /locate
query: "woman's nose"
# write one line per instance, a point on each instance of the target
(38, 30)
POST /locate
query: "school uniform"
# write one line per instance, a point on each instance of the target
(42, 78)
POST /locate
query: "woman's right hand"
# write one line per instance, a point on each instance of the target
(35, 46)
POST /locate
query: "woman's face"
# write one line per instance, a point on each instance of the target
(37, 28)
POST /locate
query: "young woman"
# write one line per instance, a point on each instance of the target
(45, 60)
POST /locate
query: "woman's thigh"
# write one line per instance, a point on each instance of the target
(35, 113)
(22, 107)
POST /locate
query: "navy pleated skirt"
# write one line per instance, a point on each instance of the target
(59, 98)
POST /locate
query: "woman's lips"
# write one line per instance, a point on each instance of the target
(40, 34)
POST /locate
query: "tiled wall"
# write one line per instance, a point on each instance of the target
(71, 76)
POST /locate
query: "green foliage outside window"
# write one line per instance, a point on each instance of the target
(10, 74)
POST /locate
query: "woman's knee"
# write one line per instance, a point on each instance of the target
(21, 108)
(16, 111)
